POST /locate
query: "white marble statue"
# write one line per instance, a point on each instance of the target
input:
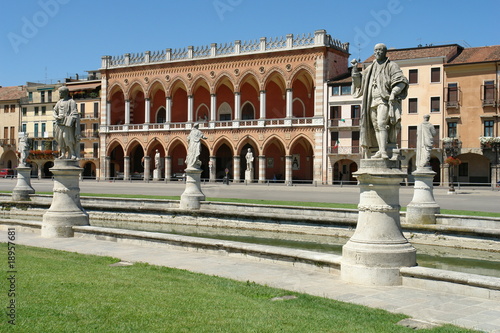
(425, 141)
(194, 147)
(249, 158)
(157, 160)
(67, 125)
(383, 86)
(24, 148)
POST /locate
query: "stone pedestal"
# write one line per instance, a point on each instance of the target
(66, 210)
(248, 176)
(23, 189)
(423, 207)
(378, 249)
(192, 195)
(156, 174)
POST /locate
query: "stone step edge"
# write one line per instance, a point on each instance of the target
(263, 251)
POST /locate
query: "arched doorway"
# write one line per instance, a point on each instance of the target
(137, 162)
(275, 161)
(343, 170)
(223, 161)
(46, 172)
(161, 116)
(89, 170)
(248, 111)
(116, 161)
(302, 161)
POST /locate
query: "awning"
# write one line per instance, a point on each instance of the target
(85, 86)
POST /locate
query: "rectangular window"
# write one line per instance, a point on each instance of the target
(24, 111)
(489, 93)
(44, 110)
(96, 110)
(346, 90)
(355, 111)
(436, 74)
(30, 96)
(488, 128)
(413, 76)
(36, 110)
(5, 132)
(49, 96)
(82, 110)
(336, 91)
(436, 137)
(35, 145)
(335, 112)
(44, 129)
(452, 130)
(12, 134)
(42, 96)
(23, 128)
(452, 92)
(355, 142)
(412, 136)
(36, 130)
(95, 150)
(412, 105)
(463, 169)
(435, 104)
(95, 130)
(5, 108)
(12, 108)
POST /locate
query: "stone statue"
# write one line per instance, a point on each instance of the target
(24, 148)
(194, 147)
(67, 125)
(383, 86)
(425, 141)
(157, 160)
(249, 157)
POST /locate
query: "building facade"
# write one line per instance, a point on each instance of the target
(10, 112)
(472, 113)
(266, 95)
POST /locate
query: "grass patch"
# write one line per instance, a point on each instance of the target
(68, 292)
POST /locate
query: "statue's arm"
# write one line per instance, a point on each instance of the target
(396, 90)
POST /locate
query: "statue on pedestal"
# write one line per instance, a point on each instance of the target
(249, 158)
(194, 147)
(67, 125)
(157, 160)
(383, 86)
(425, 141)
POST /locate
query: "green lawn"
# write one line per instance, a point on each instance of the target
(67, 292)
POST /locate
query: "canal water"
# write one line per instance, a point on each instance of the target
(452, 259)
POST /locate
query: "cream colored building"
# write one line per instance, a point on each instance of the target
(9, 124)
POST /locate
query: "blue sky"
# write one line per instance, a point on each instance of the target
(51, 39)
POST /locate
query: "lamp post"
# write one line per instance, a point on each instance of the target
(451, 147)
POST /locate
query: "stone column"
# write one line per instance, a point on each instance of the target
(108, 113)
(107, 172)
(262, 169)
(237, 106)
(126, 168)
(168, 109)
(212, 167)
(23, 189)
(192, 195)
(378, 249)
(445, 180)
(190, 109)
(288, 169)
(423, 208)
(289, 103)
(236, 168)
(168, 168)
(262, 104)
(495, 175)
(127, 112)
(39, 171)
(147, 166)
(147, 111)
(66, 210)
(213, 107)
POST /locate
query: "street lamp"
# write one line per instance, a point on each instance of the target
(451, 147)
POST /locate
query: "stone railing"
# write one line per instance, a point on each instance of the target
(318, 38)
(229, 124)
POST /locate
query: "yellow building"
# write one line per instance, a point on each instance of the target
(472, 113)
(9, 124)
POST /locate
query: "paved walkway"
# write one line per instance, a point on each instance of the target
(429, 306)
